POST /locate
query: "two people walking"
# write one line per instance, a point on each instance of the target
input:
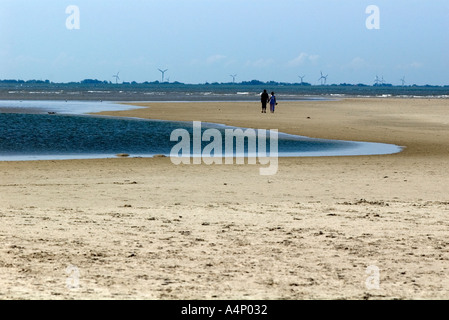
(265, 99)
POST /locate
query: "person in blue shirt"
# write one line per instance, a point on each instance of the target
(273, 102)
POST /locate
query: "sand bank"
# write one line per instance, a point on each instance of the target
(145, 228)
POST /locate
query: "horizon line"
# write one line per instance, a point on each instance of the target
(247, 82)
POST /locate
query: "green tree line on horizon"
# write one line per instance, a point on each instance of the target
(249, 83)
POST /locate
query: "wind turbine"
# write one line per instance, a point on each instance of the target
(163, 73)
(302, 78)
(403, 81)
(323, 78)
(376, 81)
(233, 77)
(117, 78)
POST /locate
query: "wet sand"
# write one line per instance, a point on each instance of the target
(147, 229)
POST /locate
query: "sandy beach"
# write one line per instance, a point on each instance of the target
(137, 228)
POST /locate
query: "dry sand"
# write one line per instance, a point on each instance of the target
(146, 229)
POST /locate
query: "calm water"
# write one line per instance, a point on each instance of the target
(28, 132)
(25, 136)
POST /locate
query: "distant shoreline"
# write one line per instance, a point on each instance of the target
(201, 99)
(173, 92)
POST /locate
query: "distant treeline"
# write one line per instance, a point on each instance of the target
(244, 83)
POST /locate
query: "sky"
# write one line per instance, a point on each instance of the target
(351, 41)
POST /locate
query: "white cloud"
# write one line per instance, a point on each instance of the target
(412, 65)
(416, 65)
(303, 58)
(299, 60)
(313, 58)
(356, 64)
(63, 60)
(215, 58)
(260, 63)
(209, 60)
(25, 60)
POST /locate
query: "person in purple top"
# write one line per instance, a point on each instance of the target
(273, 102)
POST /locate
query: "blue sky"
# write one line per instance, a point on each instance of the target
(208, 40)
